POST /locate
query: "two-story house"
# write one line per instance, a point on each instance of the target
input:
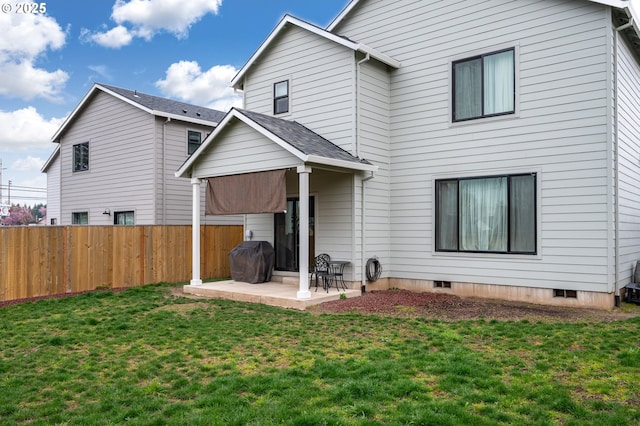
(478, 148)
(116, 157)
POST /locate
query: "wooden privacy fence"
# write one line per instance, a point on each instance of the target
(48, 260)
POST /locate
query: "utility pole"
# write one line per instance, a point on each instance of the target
(1, 169)
(9, 193)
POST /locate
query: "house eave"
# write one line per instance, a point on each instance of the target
(236, 83)
(185, 170)
(50, 160)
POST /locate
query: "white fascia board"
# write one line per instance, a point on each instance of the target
(181, 172)
(340, 163)
(288, 19)
(127, 100)
(73, 114)
(183, 118)
(234, 113)
(50, 160)
(342, 14)
(620, 4)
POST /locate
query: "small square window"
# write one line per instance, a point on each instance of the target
(80, 218)
(123, 218)
(194, 139)
(281, 97)
(484, 86)
(81, 157)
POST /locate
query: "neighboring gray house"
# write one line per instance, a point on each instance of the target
(116, 158)
(479, 148)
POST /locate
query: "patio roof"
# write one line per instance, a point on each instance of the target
(305, 144)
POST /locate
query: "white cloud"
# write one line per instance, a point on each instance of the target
(186, 81)
(101, 70)
(25, 129)
(26, 37)
(27, 164)
(145, 18)
(114, 38)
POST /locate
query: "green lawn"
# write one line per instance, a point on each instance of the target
(143, 357)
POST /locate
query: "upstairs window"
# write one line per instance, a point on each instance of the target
(194, 139)
(81, 157)
(484, 86)
(123, 218)
(281, 97)
(492, 214)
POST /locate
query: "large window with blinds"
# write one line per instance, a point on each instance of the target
(494, 214)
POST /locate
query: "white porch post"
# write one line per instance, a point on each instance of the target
(195, 233)
(303, 291)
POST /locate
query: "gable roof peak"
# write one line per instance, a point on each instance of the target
(288, 20)
(150, 104)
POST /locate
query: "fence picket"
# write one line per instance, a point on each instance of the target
(49, 260)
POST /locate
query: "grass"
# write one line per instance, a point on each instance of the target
(142, 357)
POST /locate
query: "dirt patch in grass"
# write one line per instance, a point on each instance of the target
(405, 303)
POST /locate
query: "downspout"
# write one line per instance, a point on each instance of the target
(363, 227)
(164, 172)
(363, 235)
(616, 198)
(360, 62)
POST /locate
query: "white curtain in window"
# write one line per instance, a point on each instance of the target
(447, 215)
(522, 222)
(498, 83)
(483, 214)
(468, 83)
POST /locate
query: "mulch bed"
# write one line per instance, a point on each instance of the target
(405, 303)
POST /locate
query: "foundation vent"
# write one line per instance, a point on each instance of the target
(570, 294)
(442, 284)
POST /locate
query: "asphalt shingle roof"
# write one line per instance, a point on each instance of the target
(301, 138)
(167, 105)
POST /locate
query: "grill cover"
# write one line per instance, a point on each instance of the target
(252, 262)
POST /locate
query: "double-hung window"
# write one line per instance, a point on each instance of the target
(81, 157)
(281, 97)
(494, 214)
(194, 139)
(484, 86)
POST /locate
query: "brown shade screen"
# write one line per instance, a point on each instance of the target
(262, 192)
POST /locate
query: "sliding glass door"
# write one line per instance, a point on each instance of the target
(287, 235)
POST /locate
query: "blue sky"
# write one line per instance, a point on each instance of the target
(168, 48)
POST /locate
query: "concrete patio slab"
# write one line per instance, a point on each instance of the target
(269, 293)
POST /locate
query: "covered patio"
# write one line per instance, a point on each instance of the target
(253, 164)
(282, 294)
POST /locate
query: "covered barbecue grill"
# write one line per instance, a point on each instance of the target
(252, 262)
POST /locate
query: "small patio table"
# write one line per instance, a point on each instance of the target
(336, 272)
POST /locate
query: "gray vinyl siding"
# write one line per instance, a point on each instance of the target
(121, 162)
(628, 125)
(320, 74)
(174, 195)
(560, 131)
(53, 191)
(241, 149)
